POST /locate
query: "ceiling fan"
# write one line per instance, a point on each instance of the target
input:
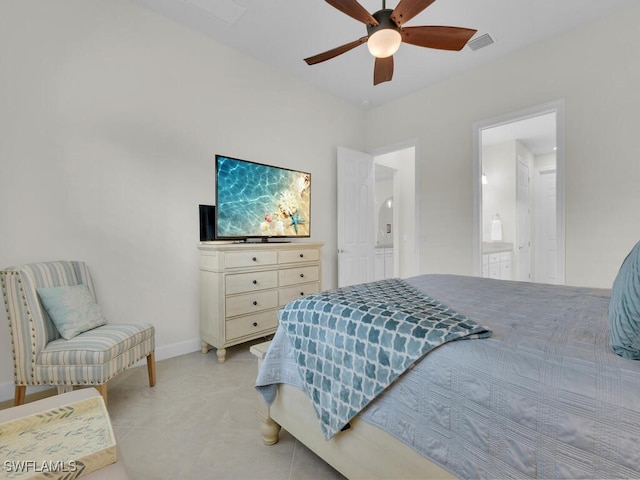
(385, 33)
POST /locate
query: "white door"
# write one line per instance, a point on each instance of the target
(523, 222)
(356, 214)
(546, 255)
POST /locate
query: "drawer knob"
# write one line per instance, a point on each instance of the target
(255, 324)
(255, 282)
(302, 255)
(254, 259)
(255, 302)
(301, 294)
(302, 275)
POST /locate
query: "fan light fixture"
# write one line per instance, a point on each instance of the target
(385, 38)
(386, 30)
(384, 42)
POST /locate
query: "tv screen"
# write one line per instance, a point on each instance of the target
(261, 201)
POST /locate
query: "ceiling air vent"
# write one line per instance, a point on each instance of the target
(482, 41)
(227, 11)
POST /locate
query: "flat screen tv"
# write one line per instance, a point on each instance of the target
(257, 201)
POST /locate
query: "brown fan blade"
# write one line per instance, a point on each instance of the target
(354, 10)
(407, 9)
(443, 38)
(328, 55)
(383, 70)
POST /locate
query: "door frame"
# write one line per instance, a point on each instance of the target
(403, 145)
(557, 107)
(539, 173)
(523, 231)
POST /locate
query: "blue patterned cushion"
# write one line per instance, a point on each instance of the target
(72, 309)
(624, 308)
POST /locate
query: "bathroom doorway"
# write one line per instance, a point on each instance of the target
(519, 194)
(377, 214)
(396, 213)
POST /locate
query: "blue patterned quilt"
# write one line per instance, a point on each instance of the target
(544, 397)
(350, 344)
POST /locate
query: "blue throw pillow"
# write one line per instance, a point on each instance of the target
(72, 309)
(624, 308)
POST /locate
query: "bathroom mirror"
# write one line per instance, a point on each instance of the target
(385, 223)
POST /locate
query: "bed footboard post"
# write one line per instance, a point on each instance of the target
(269, 429)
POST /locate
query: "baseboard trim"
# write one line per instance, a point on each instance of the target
(174, 350)
(7, 389)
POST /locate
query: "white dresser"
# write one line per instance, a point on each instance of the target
(242, 286)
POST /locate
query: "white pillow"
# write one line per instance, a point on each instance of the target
(72, 309)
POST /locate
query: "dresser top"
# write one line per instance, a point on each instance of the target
(219, 246)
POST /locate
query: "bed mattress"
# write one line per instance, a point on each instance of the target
(544, 397)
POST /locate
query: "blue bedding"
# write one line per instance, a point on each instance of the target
(543, 397)
(352, 343)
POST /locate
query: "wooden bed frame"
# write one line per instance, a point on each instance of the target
(360, 452)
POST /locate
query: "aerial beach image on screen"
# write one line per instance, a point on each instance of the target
(256, 200)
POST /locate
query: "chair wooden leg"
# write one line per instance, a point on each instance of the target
(102, 389)
(151, 368)
(21, 391)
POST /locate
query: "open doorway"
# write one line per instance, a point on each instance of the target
(519, 193)
(395, 199)
(377, 220)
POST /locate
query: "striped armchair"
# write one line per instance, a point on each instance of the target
(42, 357)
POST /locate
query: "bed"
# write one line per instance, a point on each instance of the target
(542, 396)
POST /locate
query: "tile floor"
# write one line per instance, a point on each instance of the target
(200, 422)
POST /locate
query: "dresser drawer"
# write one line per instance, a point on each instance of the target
(299, 255)
(255, 324)
(242, 286)
(292, 276)
(249, 282)
(251, 302)
(291, 293)
(250, 258)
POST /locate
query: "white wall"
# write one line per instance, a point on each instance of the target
(110, 118)
(591, 68)
(499, 194)
(545, 161)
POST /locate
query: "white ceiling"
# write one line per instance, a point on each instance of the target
(537, 133)
(282, 33)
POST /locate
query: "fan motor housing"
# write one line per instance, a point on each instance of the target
(384, 22)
